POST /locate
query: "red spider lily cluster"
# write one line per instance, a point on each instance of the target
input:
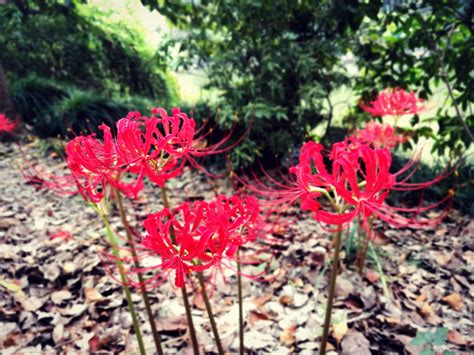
(192, 237)
(379, 135)
(156, 147)
(6, 126)
(201, 235)
(394, 102)
(349, 182)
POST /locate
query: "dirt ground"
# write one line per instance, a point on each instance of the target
(55, 296)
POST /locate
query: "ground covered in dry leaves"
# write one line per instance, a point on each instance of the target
(56, 297)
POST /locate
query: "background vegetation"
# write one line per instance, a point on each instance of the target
(65, 68)
(283, 63)
(294, 69)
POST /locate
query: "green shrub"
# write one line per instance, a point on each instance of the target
(81, 112)
(54, 109)
(33, 96)
(461, 180)
(58, 42)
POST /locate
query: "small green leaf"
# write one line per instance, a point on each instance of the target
(440, 335)
(422, 338)
(427, 352)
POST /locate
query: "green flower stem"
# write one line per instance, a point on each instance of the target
(383, 279)
(123, 278)
(332, 289)
(362, 255)
(192, 332)
(136, 262)
(220, 349)
(241, 310)
(363, 252)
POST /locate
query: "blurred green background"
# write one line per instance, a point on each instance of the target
(296, 69)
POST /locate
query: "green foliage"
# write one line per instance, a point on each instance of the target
(54, 40)
(55, 109)
(33, 94)
(425, 44)
(460, 180)
(65, 43)
(82, 112)
(275, 62)
(429, 340)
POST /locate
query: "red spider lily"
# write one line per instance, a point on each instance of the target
(394, 102)
(145, 150)
(358, 177)
(6, 126)
(379, 135)
(156, 147)
(190, 239)
(197, 236)
(160, 145)
(354, 184)
(95, 166)
(62, 185)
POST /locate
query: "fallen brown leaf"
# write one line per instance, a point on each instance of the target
(442, 258)
(198, 301)
(371, 276)
(441, 231)
(255, 316)
(456, 338)
(6, 223)
(279, 229)
(468, 257)
(287, 336)
(426, 310)
(394, 321)
(60, 296)
(92, 295)
(261, 300)
(454, 300)
(172, 324)
(421, 298)
(339, 330)
(286, 300)
(355, 343)
(32, 304)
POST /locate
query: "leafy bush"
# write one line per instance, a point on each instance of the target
(274, 62)
(81, 112)
(54, 40)
(55, 109)
(33, 95)
(279, 62)
(460, 180)
(425, 44)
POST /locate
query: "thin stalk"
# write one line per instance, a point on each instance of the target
(220, 349)
(187, 307)
(123, 279)
(332, 289)
(189, 317)
(383, 279)
(136, 262)
(363, 252)
(241, 308)
(350, 243)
